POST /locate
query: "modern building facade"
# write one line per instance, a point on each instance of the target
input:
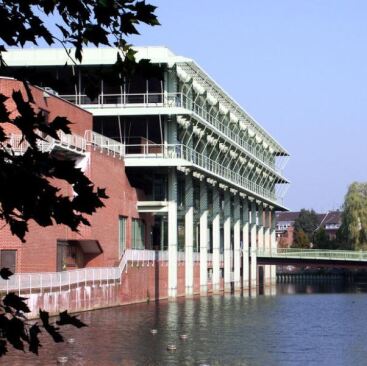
(205, 179)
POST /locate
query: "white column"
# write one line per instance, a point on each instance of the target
(172, 233)
(216, 240)
(273, 242)
(189, 234)
(236, 244)
(227, 241)
(203, 237)
(260, 230)
(267, 246)
(253, 245)
(245, 246)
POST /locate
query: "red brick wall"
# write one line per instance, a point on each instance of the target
(39, 252)
(141, 283)
(81, 119)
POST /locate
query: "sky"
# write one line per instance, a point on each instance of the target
(298, 67)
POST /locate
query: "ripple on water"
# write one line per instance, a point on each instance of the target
(299, 329)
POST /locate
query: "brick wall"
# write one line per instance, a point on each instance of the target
(40, 251)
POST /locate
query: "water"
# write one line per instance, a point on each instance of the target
(303, 324)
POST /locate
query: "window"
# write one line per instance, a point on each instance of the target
(138, 234)
(122, 235)
(8, 259)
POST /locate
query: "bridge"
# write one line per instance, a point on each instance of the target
(313, 257)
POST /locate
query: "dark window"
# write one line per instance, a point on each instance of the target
(8, 259)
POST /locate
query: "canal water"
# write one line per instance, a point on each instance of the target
(299, 324)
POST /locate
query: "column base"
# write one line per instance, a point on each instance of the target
(245, 285)
(172, 293)
(216, 288)
(203, 289)
(237, 286)
(227, 287)
(267, 275)
(267, 290)
(189, 291)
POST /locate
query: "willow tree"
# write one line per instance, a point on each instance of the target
(354, 217)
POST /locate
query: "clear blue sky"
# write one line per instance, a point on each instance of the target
(298, 67)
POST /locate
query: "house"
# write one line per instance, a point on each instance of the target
(329, 221)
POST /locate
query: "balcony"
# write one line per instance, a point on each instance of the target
(181, 155)
(177, 103)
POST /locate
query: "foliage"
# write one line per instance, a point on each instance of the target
(97, 22)
(307, 221)
(304, 228)
(27, 182)
(354, 217)
(321, 240)
(300, 239)
(16, 331)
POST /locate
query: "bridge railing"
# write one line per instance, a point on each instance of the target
(312, 254)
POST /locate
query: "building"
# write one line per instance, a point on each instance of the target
(329, 221)
(57, 248)
(187, 169)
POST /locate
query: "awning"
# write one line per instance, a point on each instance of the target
(88, 246)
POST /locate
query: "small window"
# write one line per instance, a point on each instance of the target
(138, 234)
(8, 259)
(122, 235)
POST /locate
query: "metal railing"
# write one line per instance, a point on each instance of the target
(68, 141)
(110, 146)
(97, 276)
(313, 254)
(171, 100)
(131, 99)
(179, 151)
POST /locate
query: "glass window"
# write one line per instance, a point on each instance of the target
(122, 235)
(138, 234)
(8, 259)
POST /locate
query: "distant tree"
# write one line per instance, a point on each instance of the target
(300, 239)
(354, 217)
(307, 221)
(321, 240)
(27, 184)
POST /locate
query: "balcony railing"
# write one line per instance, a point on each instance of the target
(179, 151)
(70, 142)
(171, 100)
(110, 146)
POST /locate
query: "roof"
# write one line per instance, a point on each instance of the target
(331, 217)
(286, 216)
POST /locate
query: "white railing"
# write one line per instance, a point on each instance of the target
(317, 254)
(171, 100)
(131, 99)
(56, 281)
(110, 146)
(70, 142)
(179, 151)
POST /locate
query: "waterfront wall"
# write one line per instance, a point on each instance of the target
(82, 298)
(139, 283)
(150, 282)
